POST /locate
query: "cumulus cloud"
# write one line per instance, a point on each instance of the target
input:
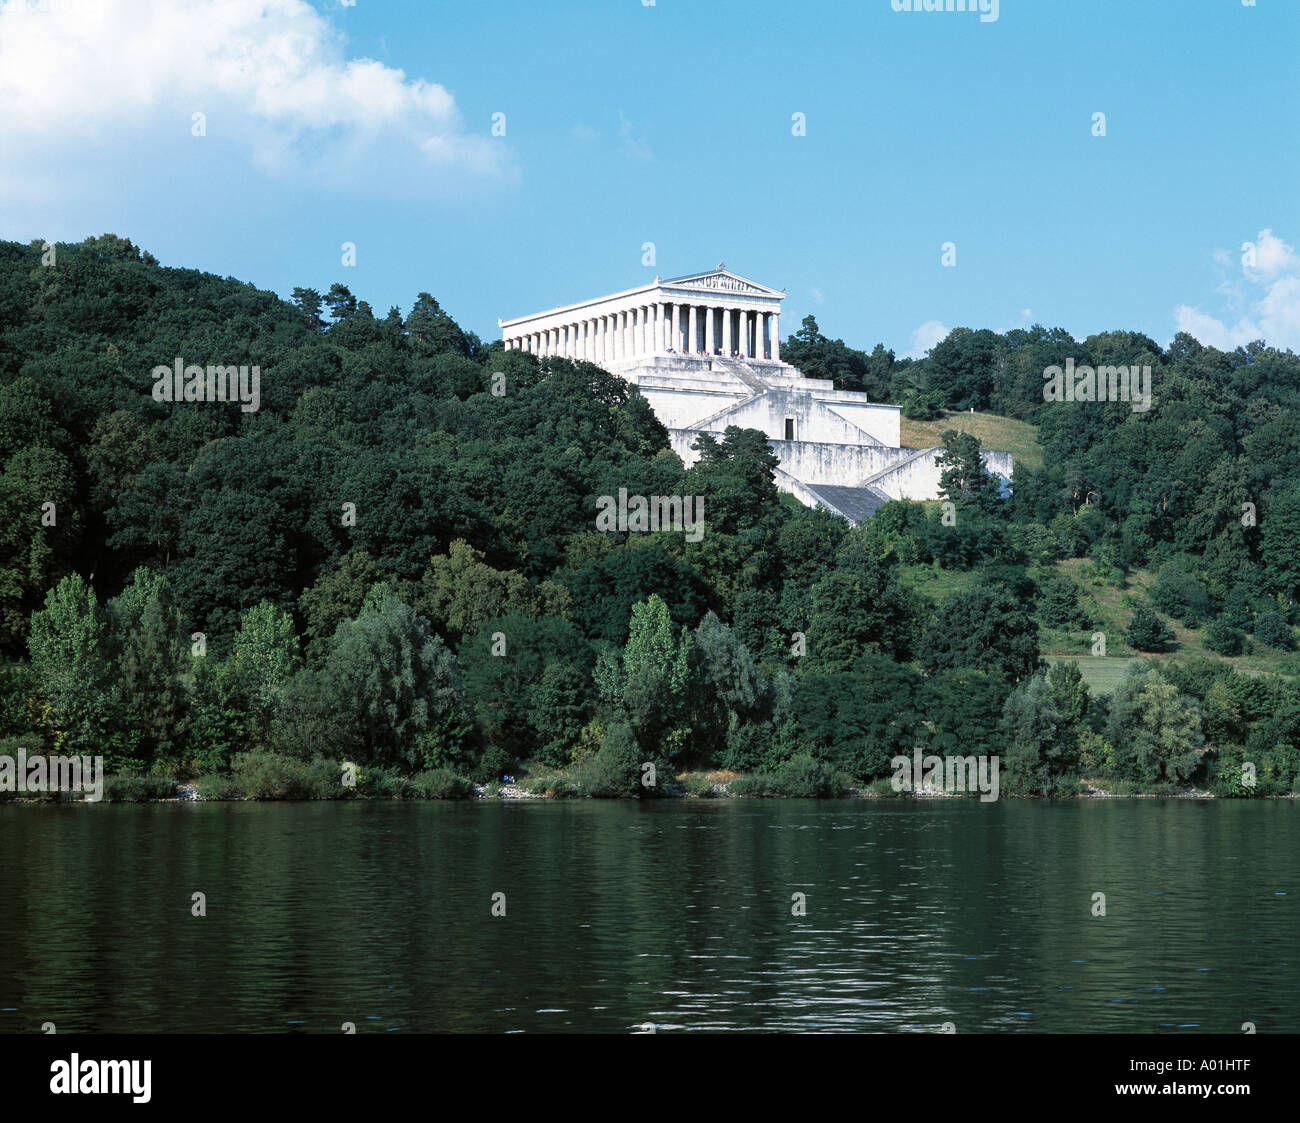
(270, 76)
(925, 337)
(1263, 302)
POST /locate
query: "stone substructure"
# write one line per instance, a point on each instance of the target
(704, 351)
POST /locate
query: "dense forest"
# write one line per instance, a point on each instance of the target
(394, 561)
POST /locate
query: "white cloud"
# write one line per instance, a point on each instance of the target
(925, 337)
(818, 296)
(271, 76)
(1264, 303)
(634, 142)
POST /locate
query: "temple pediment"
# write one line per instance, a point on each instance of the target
(721, 280)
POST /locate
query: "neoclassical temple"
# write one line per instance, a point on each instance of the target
(707, 314)
(704, 350)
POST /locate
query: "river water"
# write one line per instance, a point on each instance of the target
(677, 914)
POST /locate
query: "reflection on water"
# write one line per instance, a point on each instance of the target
(675, 915)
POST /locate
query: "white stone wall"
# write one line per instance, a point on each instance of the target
(901, 473)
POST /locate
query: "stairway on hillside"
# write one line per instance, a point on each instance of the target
(738, 368)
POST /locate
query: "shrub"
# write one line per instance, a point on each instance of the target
(127, 787)
(800, 777)
(492, 765)
(1272, 630)
(441, 783)
(1146, 631)
(383, 783)
(1180, 595)
(749, 745)
(616, 769)
(557, 785)
(270, 776)
(219, 787)
(700, 784)
(804, 777)
(1222, 638)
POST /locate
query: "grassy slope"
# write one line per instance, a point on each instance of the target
(1017, 437)
(1111, 609)
(1108, 606)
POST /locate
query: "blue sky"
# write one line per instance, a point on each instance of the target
(671, 123)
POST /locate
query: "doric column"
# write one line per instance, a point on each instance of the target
(693, 329)
(708, 329)
(744, 335)
(624, 336)
(675, 343)
(776, 345)
(726, 333)
(760, 340)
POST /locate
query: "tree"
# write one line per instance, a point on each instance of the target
(653, 685)
(1156, 732)
(1036, 759)
(392, 687)
(340, 302)
(731, 689)
(735, 476)
(859, 721)
(262, 660)
(336, 595)
(459, 591)
(963, 479)
(1058, 601)
(559, 711)
(69, 656)
(308, 302)
(152, 660)
(1146, 631)
(858, 611)
(985, 628)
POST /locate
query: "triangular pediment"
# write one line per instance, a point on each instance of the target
(721, 280)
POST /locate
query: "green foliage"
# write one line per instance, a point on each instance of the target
(1147, 632)
(477, 512)
(1039, 756)
(441, 783)
(1156, 732)
(137, 788)
(963, 479)
(800, 777)
(1223, 639)
(68, 645)
(986, 628)
(616, 770)
(1273, 630)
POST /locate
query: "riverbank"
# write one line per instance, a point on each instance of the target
(689, 786)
